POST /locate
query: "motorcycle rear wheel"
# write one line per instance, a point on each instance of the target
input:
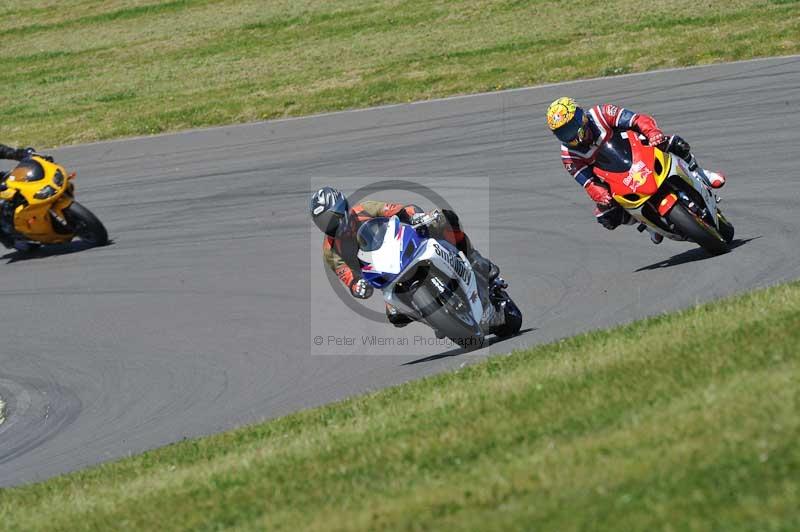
(443, 318)
(86, 225)
(698, 230)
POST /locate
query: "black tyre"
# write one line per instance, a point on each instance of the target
(698, 230)
(725, 227)
(448, 318)
(513, 319)
(86, 225)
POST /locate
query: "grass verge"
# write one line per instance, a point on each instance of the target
(82, 70)
(686, 421)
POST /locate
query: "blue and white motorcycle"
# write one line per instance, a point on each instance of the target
(432, 282)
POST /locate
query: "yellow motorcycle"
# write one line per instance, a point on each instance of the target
(40, 199)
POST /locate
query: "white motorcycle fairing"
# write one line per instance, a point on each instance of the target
(387, 261)
(448, 260)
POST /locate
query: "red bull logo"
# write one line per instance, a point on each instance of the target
(637, 176)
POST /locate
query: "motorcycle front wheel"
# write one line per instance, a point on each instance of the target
(697, 230)
(86, 225)
(725, 227)
(512, 319)
(443, 314)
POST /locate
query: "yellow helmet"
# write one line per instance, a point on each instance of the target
(567, 121)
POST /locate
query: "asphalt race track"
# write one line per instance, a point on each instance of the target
(199, 317)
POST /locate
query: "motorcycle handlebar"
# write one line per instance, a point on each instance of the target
(427, 219)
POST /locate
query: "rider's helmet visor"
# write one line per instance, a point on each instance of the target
(573, 132)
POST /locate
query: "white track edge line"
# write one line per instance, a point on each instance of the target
(423, 102)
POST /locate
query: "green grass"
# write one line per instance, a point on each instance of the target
(82, 70)
(687, 421)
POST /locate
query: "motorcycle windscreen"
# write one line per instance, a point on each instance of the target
(615, 154)
(626, 165)
(371, 233)
(386, 247)
(379, 251)
(26, 172)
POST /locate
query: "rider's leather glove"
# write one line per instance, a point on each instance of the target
(26, 153)
(361, 289)
(23, 153)
(599, 193)
(657, 138)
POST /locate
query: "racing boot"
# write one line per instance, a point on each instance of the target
(486, 268)
(714, 179)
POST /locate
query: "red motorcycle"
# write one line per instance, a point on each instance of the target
(658, 189)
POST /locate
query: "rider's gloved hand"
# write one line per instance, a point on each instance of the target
(361, 289)
(26, 153)
(658, 139)
(23, 153)
(599, 193)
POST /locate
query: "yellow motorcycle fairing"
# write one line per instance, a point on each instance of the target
(47, 191)
(665, 164)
